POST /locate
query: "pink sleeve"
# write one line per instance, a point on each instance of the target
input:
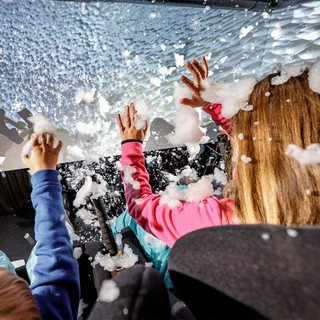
(214, 110)
(166, 224)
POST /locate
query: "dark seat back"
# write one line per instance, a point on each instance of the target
(249, 271)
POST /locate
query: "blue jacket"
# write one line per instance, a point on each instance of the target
(56, 284)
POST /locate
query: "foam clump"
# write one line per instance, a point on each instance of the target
(40, 125)
(314, 77)
(286, 72)
(77, 252)
(172, 196)
(245, 159)
(111, 263)
(310, 155)
(87, 217)
(233, 97)
(128, 172)
(92, 128)
(85, 96)
(109, 291)
(142, 116)
(89, 188)
(187, 124)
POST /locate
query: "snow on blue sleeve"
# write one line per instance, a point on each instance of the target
(56, 287)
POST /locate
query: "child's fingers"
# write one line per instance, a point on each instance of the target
(35, 141)
(51, 140)
(120, 124)
(132, 112)
(189, 102)
(58, 147)
(43, 139)
(127, 117)
(25, 159)
(190, 85)
(198, 68)
(194, 72)
(205, 67)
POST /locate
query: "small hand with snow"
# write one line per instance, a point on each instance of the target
(199, 73)
(43, 154)
(129, 131)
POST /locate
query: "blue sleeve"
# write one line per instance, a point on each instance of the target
(56, 287)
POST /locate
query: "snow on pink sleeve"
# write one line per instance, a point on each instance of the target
(166, 224)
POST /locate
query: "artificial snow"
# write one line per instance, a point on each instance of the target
(265, 236)
(92, 128)
(111, 263)
(90, 188)
(220, 176)
(172, 196)
(156, 82)
(118, 239)
(75, 153)
(314, 77)
(41, 125)
(77, 252)
(245, 159)
(86, 216)
(233, 97)
(85, 96)
(240, 136)
(244, 31)
(109, 291)
(286, 72)
(179, 59)
(142, 115)
(104, 106)
(128, 171)
(310, 155)
(187, 124)
(154, 242)
(292, 233)
(267, 94)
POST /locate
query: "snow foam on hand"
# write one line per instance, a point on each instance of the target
(233, 97)
(314, 77)
(310, 155)
(142, 115)
(286, 72)
(187, 124)
(40, 125)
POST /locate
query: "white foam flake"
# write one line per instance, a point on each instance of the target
(245, 159)
(286, 72)
(179, 59)
(233, 97)
(265, 236)
(128, 172)
(187, 124)
(197, 191)
(75, 153)
(126, 53)
(77, 252)
(86, 215)
(292, 233)
(220, 176)
(90, 188)
(142, 116)
(86, 96)
(156, 82)
(240, 136)
(314, 77)
(104, 105)
(308, 192)
(109, 291)
(164, 71)
(111, 263)
(310, 155)
(41, 125)
(92, 128)
(154, 242)
(244, 31)
(163, 47)
(267, 94)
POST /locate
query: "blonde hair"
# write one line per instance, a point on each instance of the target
(16, 300)
(275, 188)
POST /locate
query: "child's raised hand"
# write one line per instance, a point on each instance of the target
(44, 155)
(127, 130)
(199, 72)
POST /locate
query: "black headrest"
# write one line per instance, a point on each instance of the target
(271, 269)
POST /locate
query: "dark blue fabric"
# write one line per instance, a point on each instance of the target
(56, 286)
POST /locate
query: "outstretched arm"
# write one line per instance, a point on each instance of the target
(199, 73)
(56, 286)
